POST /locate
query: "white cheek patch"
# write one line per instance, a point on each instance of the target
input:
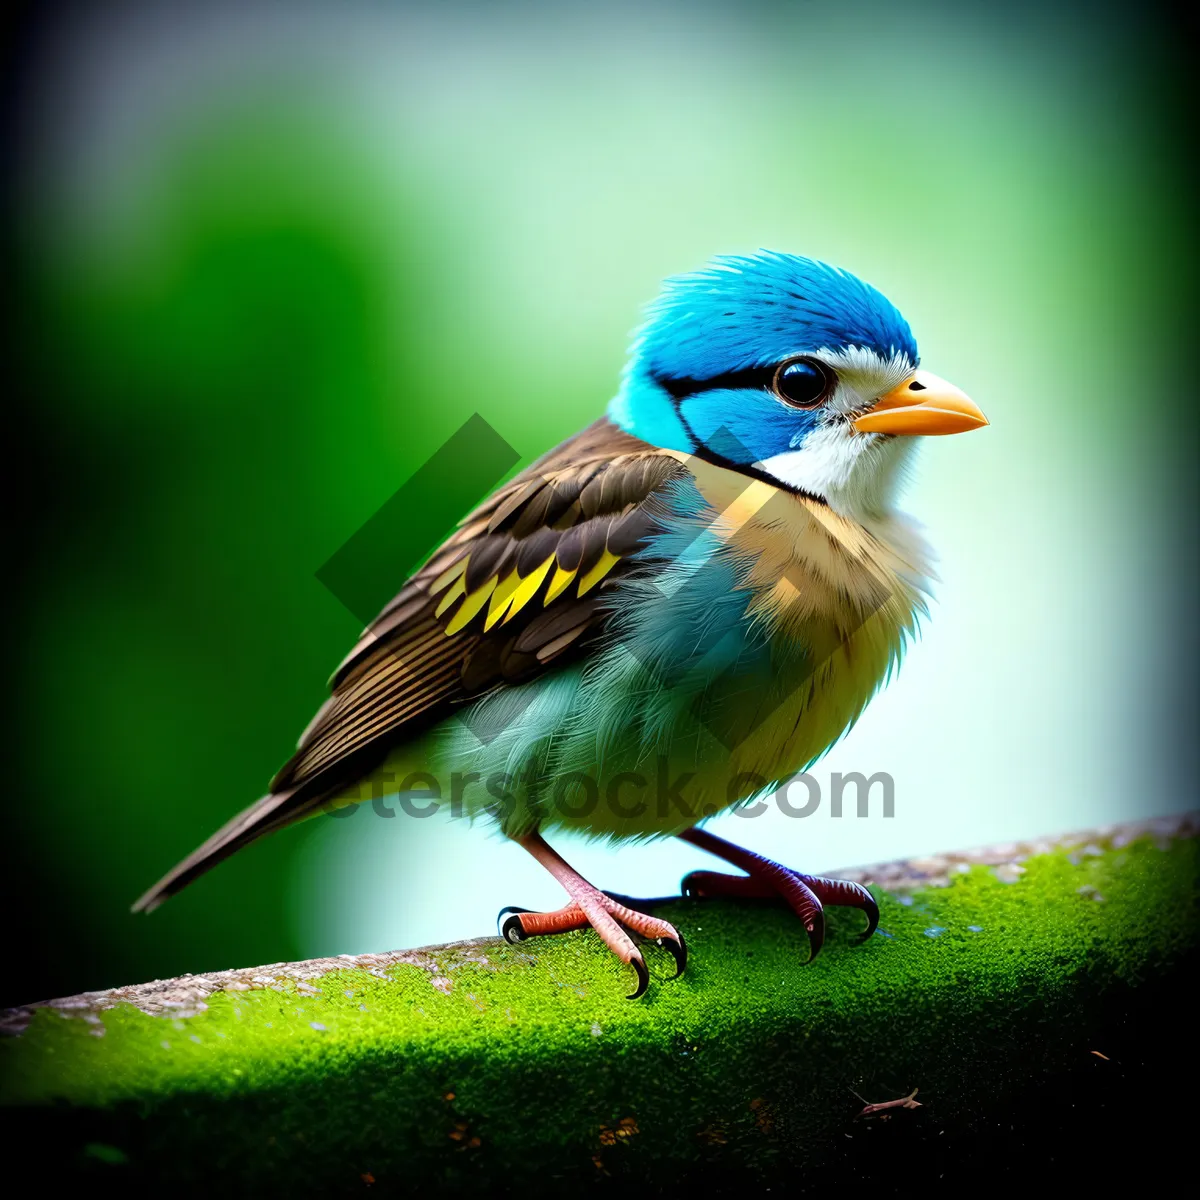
(858, 474)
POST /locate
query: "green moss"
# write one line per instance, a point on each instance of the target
(485, 1062)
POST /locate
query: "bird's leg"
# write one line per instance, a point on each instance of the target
(590, 906)
(764, 879)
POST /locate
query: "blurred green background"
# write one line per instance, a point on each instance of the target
(270, 257)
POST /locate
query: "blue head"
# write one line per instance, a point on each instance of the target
(780, 366)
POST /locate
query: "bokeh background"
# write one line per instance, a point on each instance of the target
(268, 258)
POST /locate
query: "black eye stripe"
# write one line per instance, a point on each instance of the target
(756, 378)
(753, 377)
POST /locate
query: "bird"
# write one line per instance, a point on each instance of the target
(666, 616)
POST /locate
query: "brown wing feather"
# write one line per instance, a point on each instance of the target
(425, 653)
(516, 590)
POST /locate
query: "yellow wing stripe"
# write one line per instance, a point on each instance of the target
(452, 572)
(560, 582)
(459, 589)
(498, 605)
(528, 589)
(506, 597)
(608, 560)
(471, 605)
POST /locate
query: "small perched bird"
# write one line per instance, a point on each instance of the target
(680, 607)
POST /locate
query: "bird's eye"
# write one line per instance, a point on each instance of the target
(803, 382)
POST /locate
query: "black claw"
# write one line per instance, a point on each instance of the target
(643, 978)
(511, 925)
(872, 911)
(816, 936)
(677, 950)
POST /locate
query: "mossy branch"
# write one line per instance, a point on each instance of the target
(479, 1063)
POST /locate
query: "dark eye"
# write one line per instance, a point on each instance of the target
(803, 382)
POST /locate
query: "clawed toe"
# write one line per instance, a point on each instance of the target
(872, 910)
(715, 883)
(677, 948)
(844, 893)
(621, 928)
(643, 977)
(807, 895)
(672, 943)
(508, 924)
(517, 924)
(816, 934)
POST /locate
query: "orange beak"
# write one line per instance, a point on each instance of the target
(922, 405)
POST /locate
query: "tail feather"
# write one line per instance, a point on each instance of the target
(264, 815)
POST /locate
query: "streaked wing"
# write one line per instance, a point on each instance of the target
(517, 590)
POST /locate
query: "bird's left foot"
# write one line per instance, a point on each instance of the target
(764, 879)
(621, 928)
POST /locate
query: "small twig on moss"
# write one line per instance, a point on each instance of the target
(871, 1110)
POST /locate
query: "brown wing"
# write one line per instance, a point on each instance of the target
(516, 590)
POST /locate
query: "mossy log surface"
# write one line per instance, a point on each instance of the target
(483, 1067)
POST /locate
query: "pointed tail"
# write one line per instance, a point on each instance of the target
(264, 815)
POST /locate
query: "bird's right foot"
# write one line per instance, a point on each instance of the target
(807, 895)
